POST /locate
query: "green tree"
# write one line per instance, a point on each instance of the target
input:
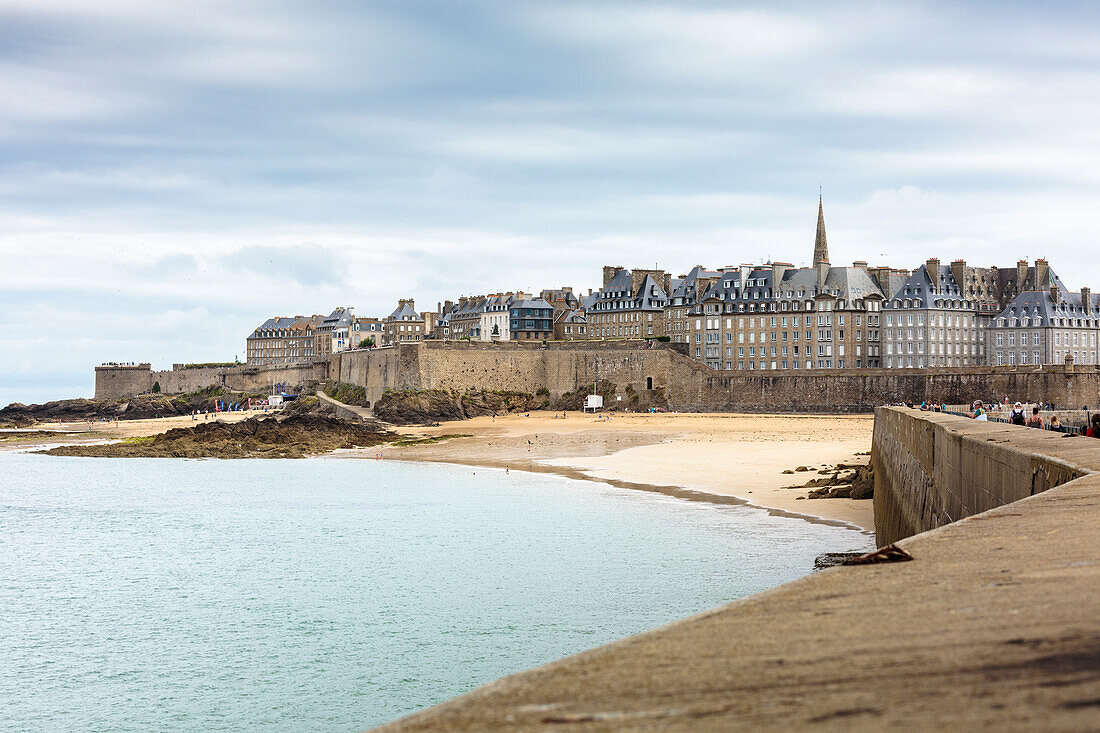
(156, 387)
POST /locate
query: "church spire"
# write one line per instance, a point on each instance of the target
(821, 248)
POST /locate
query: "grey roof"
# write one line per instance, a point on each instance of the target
(619, 294)
(277, 323)
(1040, 303)
(684, 289)
(336, 319)
(404, 312)
(851, 283)
(568, 296)
(534, 303)
(754, 284)
(573, 316)
(924, 289)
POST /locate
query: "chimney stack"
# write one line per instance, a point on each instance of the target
(609, 271)
(882, 277)
(932, 266)
(958, 271)
(1086, 300)
(1055, 294)
(1021, 276)
(778, 269)
(1042, 273)
(861, 264)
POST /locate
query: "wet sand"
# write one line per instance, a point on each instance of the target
(730, 458)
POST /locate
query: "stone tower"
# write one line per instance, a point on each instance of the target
(821, 248)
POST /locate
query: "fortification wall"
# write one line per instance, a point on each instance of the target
(115, 381)
(633, 367)
(175, 381)
(462, 367)
(664, 376)
(376, 370)
(932, 469)
(251, 379)
(698, 388)
(118, 382)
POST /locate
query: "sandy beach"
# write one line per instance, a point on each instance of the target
(716, 457)
(726, 457)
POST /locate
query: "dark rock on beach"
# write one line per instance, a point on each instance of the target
(293, 436)
(425, 406)
(846, 482)
(135, 408)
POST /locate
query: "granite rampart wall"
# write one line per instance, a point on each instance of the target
(121, 381)
(696, 387)
(633, 367)
(114, 381)
(636, 368)
(932, 469)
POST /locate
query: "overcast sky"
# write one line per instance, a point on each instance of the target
(171, 174)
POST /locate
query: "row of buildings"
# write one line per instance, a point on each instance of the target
(773, 316)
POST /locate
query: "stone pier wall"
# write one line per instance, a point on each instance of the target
(932, 469)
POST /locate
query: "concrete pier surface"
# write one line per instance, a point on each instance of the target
(994, 625)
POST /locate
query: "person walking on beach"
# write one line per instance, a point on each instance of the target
(1035, 421)
(1016, 417)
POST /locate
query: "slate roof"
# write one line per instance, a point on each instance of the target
(572, 316)
(534, 303)
(923, 292)
(683, 290)
(754, 285)
(280, 323)
(619, 294)
(403, 310)
(1039, 303)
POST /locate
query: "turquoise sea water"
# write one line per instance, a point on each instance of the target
(331, 595)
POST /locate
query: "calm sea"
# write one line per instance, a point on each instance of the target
(330, 595)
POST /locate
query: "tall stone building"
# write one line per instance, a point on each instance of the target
(282, 340)
(404, 324)
(1046, 327)
(779, 317)
(940, 315)
(631, 304)
(684, 294)
(930, 321)
(334, 332)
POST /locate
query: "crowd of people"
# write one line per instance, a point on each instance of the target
(1029, 416)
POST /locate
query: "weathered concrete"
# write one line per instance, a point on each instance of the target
(932, 469)
(992, 626)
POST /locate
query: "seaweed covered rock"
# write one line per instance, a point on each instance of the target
(425, 406)
(295, 436)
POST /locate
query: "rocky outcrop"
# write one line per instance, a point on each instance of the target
(425, 406)
(135, 408)
(843, 482)
(293, 436)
